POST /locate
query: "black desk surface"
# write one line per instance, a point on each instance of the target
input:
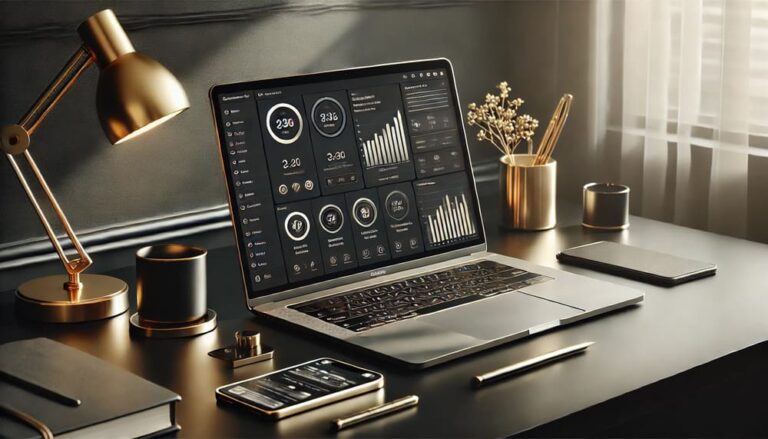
(674, 330)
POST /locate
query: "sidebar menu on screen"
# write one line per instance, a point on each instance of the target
(254, 208)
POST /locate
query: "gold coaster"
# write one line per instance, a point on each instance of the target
(166, 330)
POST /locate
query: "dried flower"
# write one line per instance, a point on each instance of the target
(499, 122)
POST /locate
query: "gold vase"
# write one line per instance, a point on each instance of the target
(527, 192)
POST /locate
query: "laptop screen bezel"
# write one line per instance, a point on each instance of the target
(385, 267)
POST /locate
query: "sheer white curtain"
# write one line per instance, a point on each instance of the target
(681, 94)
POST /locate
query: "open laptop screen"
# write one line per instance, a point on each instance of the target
(338, 173)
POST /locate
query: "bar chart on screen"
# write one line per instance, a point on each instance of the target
(388, 146)
(451, 220)
(446, 210)
(382, 135)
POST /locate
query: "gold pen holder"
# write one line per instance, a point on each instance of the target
(528, 193)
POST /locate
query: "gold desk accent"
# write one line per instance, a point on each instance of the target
(135, 94)
(42, 298)
(527, 192)
(144, 328)
(376, 412)
(532, 363)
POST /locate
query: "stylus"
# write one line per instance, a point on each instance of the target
(375, 412)
(526, 365)
(40, 389)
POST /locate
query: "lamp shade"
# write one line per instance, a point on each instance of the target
(135, 92)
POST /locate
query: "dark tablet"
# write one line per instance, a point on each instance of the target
(636, 263)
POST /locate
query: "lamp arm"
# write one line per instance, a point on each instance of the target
(15, 141)
(69, 74)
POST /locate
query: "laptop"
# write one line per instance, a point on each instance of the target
(356, 216)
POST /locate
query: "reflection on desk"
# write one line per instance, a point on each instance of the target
(675, 330)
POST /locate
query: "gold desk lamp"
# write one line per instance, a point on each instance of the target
(135, 93)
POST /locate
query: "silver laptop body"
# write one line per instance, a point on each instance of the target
(441, 336)
(433, 338)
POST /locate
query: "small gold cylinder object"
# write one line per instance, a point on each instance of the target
(606, 206)
(248, 340)
(528, 192)
(246, 350)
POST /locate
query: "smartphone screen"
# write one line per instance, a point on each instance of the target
(279, 391)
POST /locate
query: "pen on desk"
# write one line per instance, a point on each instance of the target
(375, 412)
(40, 390)
(530, 364)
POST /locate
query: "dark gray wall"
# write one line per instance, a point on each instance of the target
(175, 167)
(541, 47)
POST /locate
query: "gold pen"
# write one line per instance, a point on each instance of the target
(530, 364)
(554, 128)
(375, 412)
(550, 129)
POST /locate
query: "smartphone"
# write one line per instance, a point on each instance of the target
(636, 263)
(300, 388)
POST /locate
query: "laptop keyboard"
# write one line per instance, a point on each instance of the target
(369, 308)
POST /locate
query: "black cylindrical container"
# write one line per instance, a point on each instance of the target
(606, 206)
(171, 283)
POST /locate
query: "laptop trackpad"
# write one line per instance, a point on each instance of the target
(414, 341)
(501, 316)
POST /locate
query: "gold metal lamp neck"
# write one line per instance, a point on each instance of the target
(105, 38)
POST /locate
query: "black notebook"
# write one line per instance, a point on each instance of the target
(113, 402)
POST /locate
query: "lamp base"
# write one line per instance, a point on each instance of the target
(45, 299)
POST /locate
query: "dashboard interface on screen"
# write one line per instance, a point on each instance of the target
(343, 172)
